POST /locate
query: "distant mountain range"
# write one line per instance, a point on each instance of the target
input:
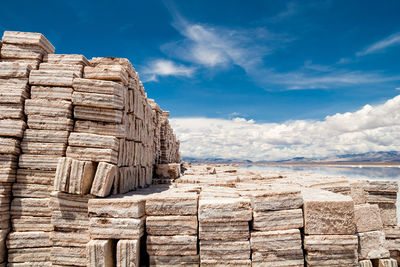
(378, 157)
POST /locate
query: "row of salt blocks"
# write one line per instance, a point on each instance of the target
(169, 147)
(224, 232)
(20, 53)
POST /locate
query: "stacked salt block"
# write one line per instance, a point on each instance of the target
(370, 232)
(25, 47)
(224, 232)
(171, 226)
(70, 221)
(169, 145)
(157, 129)
(392, 235)
(166, 173)
(277, 218)
(329, 228)
(121, 218)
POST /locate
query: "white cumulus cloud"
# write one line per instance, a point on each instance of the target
(162, 67)
(372, 128)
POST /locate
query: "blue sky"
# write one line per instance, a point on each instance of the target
(265, 62)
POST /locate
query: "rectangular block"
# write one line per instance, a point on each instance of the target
(38, 162)
(93, 154)
(51, 93)
(372, 245)
(66, 59)
(22, 51)
(93, 140)
(46, 136)
(128, 253)
(68, 256)
(49, 108)
(99, 87)
(224, 209)
(31, 224)
(111, 129)
(172, 204)
(278, 259)
(81, 177)
(31, 190)
(52, 77)
(277, 220)
(171, 225)
(98, 114)
(40, 122)
(69, 221)
(103, 179)
(178, 245)
(32, 62)
(30, 207)
(12, 128)
(224, 250)
(9, 146)
(20, 255)
(327, 213)
(62, 176)
(12, 111)
(100, 253)
(42, 148)
(116, 228)
(20, 240)
(14, 70)
(229, 230)
(277, 198)
(276, 241)
(67, 202)
(109, 61)
(77, 69)
(98, 100)
(69, 239)
(111, 73)
(12, 95)
(28, 38)
(189, 261)
(367, 218)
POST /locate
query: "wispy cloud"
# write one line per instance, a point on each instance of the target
(372, 128)
(392, 40)
(291, 9)
(162, 67)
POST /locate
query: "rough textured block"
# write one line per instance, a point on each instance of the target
(61, 180)
(224, 250)
(14, 70)
(66, 59)
(98, 87)
(106, 61)
(172, 170)
(111, 129)
(228, 230)
(46, 136)
(12, 128)
(14, 51)
(68, 256)
(278, 220)
(42, 148)
(28, 38)
(28, 240)
(31, 190)
(98, 114)
(98, 100)
(77, 69)
(277, 198)
(103, 179)
(171, 225)
(38, 162)
(31, 224)
(52, 77)
(50, 108)
(116, 228)
(93, 140)
(81, 177)
(128, 253)
(190, 261)
(172, 204)
(111, 72)
(51, 93)
(28, 255)
(50, 123)
(9, 146)
(276, 241)
(327, 213)
(30, 207)
(100, 253)
(223, 209)
(93, 154)
(372, 245)
(178, 245)
(69, 239)
(367, 218)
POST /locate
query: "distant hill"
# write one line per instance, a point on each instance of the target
(378, 157)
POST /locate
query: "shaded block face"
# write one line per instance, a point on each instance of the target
(171, 171)
(327, 213)
(372, 245)
(100, 253)
(367, 218)
(128, 253)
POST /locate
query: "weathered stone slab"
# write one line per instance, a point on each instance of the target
(22, 51)
(227, 250)
(278, 259)
(40, 122)
(111, 129)
(225, 263)
(30, 264)
(105, 61)
(30, 207)
(128, 205)
(228, 230)
(190, 261)
(42, 148)
(171, 225)
(67, 202)
(62, 176)
(46, 136)
(12, 96)
(93, 140)
(372, 245)
(69, 239)
(111, 73)
(28, 255)
(365, 263)
(128, 253)
(98, 100)
(178, 245)
(81, 177)
(28, 38)
(68, 256)
(28, 240)
(52, 77)
(77, 69)
(50, 108)
(8, 161)
(224, 209)
(388, 214)
(66, 59)
(9, 146)
(100, 253)
(277, 198)
(103, 180)
(12, 111)
(12, 128)
(357, 192)
(367, 218)
(93, 154)
(172, 203)
(51, 92)
(31, 190)
(99, 87)
(116, 228)
(69, 221)
(327, 213)
(276, 241)
(30, 223)
(38, 162)
(98, 114)
(278, 220)
(385, 263)
(14, 70)
(33, 63)
(172, 170)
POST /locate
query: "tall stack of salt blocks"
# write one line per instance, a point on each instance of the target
(329, 228)
(116, 228)
(169, 143)
(20, 53)
(224, 231)
(277, 220)
(171, 226)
